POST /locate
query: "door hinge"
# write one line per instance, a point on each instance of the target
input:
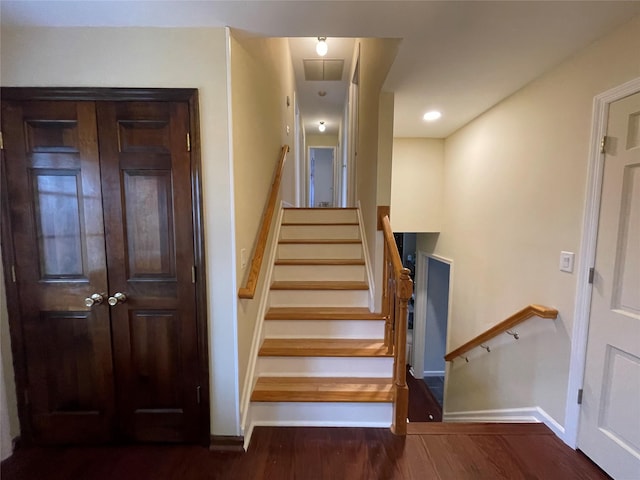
(592, 273)
(193, 274)
(13, 273)
(580, 397)
(603, 144)
(198, 394)
(1, 142)
(188, 142)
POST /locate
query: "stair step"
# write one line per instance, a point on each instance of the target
(320, 215)
(333, 285)
(297, 224)
(321, 313)
(325, 366)
(320, 231)
(322, 347)
(319, 241)
(322, 389)
(304, 250)
(319, 261)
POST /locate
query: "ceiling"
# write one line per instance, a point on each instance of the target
(460, 57)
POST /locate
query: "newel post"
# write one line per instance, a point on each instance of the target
(404, 290)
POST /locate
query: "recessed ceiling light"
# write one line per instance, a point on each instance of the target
(432, 115)
(322, 127)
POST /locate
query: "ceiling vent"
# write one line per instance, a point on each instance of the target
(321, 69)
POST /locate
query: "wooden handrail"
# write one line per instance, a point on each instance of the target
(396, 292)
(249, 290)
(518, 317)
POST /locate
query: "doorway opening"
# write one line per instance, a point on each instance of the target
(433, 302)
(322, 177)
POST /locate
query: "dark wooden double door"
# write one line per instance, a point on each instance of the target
(100, 204)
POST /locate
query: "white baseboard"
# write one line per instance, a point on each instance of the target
(507, 415)
(433, 373)
(367, 260)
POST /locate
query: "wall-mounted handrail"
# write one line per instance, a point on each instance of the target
(396, 292)
(507, 324)
(249, 290)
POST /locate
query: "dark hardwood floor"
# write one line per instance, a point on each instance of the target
(423, 406)
(504, 452)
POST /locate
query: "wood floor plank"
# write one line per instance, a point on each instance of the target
(322, 389)
(322, 313)
(319, 285)
(320, 347)
(450, 428)
(307, 453)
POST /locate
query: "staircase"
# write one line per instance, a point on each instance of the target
(322, 360)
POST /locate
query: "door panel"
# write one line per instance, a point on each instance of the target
(610, 412)
(56, 214)
(146, 182)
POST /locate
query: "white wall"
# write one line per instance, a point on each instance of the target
(417, 179)
(514, 197)
(157, 57)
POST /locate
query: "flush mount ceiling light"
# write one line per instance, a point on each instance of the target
(322, 127)
(432, 115)
(321, 47)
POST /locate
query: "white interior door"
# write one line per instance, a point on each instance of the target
(610, 413)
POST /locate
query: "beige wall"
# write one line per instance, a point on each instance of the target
(157, 57)
(261, 79)
(322, 140)
(416, 184)
(9, 425)
(376, 58)
(514, 197)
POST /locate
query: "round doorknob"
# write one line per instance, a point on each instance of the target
(95, 299)
(117, 298)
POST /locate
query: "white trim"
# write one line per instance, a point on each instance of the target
(507, 415)
(586, 257)
(250, 377)
(433, 373)
(367, 260)
(420, 314)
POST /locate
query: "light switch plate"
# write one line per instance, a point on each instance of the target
(566, 261)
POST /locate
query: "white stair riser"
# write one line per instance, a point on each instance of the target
(324, 329)
(319, 298)
(319, 215)
(322, 414)
(320, 272)
(320, 251)
(320, 232)
(325, 366)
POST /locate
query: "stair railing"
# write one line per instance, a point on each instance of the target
(503, 327)
(249, 290)
(396, 292)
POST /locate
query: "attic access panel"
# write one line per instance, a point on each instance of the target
(323, 69)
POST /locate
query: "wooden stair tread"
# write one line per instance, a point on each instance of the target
(322, 347)
(319, 261)
(320, 208)
(321, 313)
(319, 241)
(319, 285)
(323, 224)
(322, 389)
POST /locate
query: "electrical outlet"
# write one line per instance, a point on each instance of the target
(566, 261)
(243, 258)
